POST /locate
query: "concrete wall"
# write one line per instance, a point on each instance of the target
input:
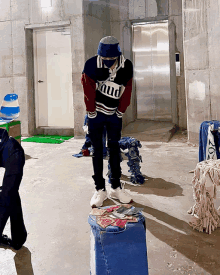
(96, 26)
(201, 22)
(175, 20)
(122, 14)
(120, 25)
(89, 21)
(88, 24)
(16, 55)
(115, 17)
(12, 53)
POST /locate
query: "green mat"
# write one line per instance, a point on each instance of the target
(47, 139)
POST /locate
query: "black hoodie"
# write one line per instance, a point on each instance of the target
(3, 139)
(8, 147)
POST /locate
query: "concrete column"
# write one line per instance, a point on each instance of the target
(95, 27)
(213, 27)
(78, 60)
(196, 59)
(175, 16)
(30, 82)
(137, 9)
(162, 7)
(173, 88)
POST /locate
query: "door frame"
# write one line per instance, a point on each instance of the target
(172, 50)
(29, 40)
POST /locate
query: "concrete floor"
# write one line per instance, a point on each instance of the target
(56, 190)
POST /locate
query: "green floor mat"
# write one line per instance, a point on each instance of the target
(47, 139)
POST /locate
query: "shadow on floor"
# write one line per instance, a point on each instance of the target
(22, 260)
(156, 186)
(201, 248)
(152, 146)
(27, 157)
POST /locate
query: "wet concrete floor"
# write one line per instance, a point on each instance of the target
(56, 190)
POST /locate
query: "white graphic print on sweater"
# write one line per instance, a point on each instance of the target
(110, 89)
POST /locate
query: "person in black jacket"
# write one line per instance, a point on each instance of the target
(12, 158)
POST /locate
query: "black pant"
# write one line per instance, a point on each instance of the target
(113, 127)
(10, 203)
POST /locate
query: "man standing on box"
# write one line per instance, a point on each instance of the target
(107, 83)
(12, 158)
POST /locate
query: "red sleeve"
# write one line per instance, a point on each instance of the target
(89, 87)
(125, 99)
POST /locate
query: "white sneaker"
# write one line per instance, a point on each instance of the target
(120, 194)
(98, 198)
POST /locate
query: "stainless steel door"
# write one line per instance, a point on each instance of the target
(152, 71)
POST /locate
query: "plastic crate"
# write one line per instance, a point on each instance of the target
(14, 129)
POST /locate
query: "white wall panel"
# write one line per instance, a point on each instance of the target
(151, 8)
(18, 48)
(5, 49)
(4, 10)
(20, 10)
(20, 88)
(72, 8)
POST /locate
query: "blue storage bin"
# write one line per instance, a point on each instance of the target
(118, 251)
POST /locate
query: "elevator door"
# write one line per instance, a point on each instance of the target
(152, 71)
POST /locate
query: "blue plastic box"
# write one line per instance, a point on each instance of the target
(118, 251)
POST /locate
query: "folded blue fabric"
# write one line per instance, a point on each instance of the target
(134, 158)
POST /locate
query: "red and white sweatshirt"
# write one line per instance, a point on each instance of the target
(111, 97)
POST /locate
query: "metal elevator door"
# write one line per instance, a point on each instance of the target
(152, 71)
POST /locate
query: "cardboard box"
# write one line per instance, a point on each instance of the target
(14, 129)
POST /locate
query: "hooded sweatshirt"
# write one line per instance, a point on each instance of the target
(11, 153)
(114, 95)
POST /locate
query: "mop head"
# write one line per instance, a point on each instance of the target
(205, 181)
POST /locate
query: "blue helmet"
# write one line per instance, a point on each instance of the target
(109, 47)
